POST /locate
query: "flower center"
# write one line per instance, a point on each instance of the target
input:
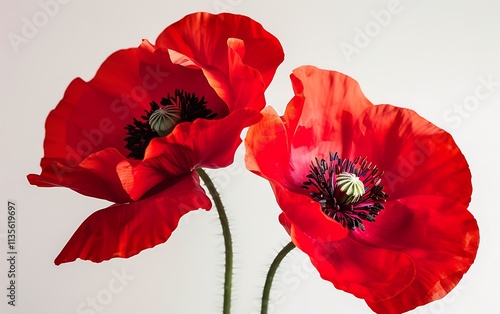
(162, 119)
(348, 191)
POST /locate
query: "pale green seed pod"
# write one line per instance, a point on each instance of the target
(164, 119)
(351, 186)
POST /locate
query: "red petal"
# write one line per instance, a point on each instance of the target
(439, 235)
(304, 218)
(246, 82)
(203, 38)
(285, 222)
(332, 104)
(418, 158)
(100, 175)
(200, 144)
(267, 152)
(366, 272)
(125, 230)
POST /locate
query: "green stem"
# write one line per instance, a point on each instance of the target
(270, 275)
(228, 242)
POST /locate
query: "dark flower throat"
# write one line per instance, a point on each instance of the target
(186, 107)
(348, 191)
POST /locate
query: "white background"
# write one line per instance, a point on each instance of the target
(430, 56)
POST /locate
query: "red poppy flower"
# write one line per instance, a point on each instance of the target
(375, 195)
(202, 82)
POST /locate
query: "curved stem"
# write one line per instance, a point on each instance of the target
(228, 242)
(270, 275)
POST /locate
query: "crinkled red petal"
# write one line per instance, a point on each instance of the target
(267, 150)
(332, 102)
(101, 175)
(369, 273)
(439, 235)
(124, 230)
(417, 158)
(304, 218)
(204, 38)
